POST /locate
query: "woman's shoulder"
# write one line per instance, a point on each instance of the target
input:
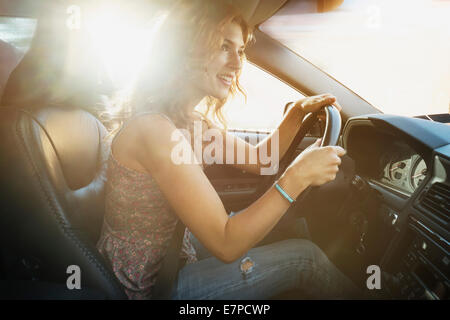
(145, 126)
(155, 118)
(206, 122)
(144, 136)
(154, 130)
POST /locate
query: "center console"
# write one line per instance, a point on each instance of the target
(419, 266)
(421, 271)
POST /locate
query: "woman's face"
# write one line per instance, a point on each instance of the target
(220, 73)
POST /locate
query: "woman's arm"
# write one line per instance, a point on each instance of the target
(198, 205)
(282, 136)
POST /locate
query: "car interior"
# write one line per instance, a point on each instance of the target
(387, 207)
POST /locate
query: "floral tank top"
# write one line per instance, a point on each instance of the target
(137, 228)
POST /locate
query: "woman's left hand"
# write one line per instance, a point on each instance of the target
(315, 103)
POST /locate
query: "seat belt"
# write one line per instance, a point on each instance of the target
(168, 273)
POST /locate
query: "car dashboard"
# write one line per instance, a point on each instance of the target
(405, 163)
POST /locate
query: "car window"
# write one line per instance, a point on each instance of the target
(266, 98)
(393, 53)
(15, 40)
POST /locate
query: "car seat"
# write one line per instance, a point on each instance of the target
(52, 177)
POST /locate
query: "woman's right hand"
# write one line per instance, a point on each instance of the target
(316, 165)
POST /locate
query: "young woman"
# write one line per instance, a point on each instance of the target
(201, 46)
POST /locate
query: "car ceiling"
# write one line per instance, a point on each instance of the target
(258, 11)
(255, 11)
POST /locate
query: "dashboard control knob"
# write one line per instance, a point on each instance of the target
(394, 217)
(358, 183)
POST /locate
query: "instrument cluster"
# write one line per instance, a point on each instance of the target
(403, 171)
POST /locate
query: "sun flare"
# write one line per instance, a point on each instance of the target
(122, 42)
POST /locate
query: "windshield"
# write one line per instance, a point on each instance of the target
(393, 53)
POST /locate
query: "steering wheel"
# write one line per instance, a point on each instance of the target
(330, 138)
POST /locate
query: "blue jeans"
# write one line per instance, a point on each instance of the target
(264, 272)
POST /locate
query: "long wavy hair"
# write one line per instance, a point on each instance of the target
(188, 38)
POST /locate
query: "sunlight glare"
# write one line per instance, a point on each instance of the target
(122, 43)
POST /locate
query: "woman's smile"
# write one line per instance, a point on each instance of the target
(226, 78)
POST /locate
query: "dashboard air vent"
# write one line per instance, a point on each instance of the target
(436, 202)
